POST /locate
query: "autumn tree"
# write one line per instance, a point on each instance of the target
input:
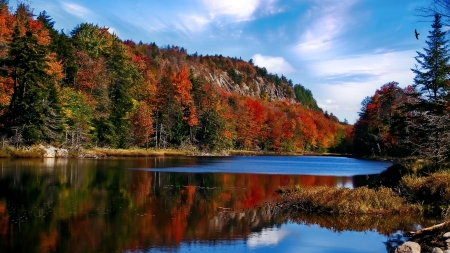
(79, 112)
(6, 30)
(183, 96)
(374, 132)
(142, 125)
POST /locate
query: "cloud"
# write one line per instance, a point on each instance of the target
(112, 30)
(270, 7)
(342, 84)
(356, 77)
(237, 9)
(273, 64)
(371, 64)
(193, 23)
(76, 10)
(326, 21)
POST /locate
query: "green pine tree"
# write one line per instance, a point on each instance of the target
(123, 77)
(34, 108)
(428, 115)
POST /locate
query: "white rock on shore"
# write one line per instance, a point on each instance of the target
(408, 247)
(437, 250)
(51, 152)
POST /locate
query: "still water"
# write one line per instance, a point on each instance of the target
(181, 204)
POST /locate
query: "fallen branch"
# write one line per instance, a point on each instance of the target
(420, 231)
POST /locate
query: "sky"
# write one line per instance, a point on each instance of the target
(341, 50)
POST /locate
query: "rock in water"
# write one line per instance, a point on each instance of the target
(446, 236)
(437, 250)
(408, 247)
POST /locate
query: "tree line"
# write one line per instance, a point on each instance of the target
(89, 88)
(411, 121)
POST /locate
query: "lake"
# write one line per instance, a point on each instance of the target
(182, 204)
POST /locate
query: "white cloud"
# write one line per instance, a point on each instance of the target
(194, 23)
(273, 64)
(76, 10)
(270, 7)
(346, 95)
(238, 9)
(371, 64)
(112, 30)
(326, 21)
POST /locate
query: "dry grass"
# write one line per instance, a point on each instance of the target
(261, 153)
(33, 152)
(433, 189)
(4, 153)
(99, 152)
(322, 199)
(245, 153)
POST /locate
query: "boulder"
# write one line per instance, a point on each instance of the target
(51, 151)
(436, 250)
(446, 236)
(408, 247)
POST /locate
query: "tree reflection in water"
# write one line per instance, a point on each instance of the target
(49, 205)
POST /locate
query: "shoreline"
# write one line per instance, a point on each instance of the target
(44, 151)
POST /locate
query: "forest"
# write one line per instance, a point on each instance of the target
(89, 88)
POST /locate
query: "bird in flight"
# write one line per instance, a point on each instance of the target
(417, 34)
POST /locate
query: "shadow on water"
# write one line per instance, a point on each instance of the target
(49, 205)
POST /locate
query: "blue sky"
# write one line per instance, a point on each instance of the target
(342, 50)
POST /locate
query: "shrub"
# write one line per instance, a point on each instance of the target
(432, 189)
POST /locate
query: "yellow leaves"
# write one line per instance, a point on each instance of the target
(55, 67)
(68, 113)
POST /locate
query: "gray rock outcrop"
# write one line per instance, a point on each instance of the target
(258, 88)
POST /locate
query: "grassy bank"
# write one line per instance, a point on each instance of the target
(103, 152)
(32, 152)
(36, 152)
(412, 193)
(334, 200)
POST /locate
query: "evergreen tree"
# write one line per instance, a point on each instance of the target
(305, 97)
(34, 108)
(432, 76)
(431, 81)
(123, 77)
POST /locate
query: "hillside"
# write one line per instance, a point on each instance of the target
(90, 88)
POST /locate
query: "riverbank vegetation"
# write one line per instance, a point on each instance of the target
(91, 89)
(335, 200)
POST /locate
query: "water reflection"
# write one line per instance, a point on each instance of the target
(60, 205)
